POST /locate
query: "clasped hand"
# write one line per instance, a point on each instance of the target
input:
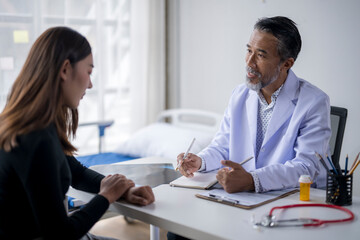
(114, 187)
(233, 177)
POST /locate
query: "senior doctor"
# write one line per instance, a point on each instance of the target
(277, 118)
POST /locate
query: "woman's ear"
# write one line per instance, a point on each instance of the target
(65, 70)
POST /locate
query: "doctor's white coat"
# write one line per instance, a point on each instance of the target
(299, 127)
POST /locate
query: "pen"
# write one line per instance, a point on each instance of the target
(357, 156)
(354, 167)
(185, 155)
(346, 164)
(322, 161)
(223, 199)
(246, 160)
(332, 165)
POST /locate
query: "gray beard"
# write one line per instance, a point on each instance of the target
(256, 87)
(251, 86)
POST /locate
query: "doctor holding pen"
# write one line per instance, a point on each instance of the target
(277, 117)
(37, 163)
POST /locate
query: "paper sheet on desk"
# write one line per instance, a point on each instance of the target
(245, 200)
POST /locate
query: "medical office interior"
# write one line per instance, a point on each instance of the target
(153, 55)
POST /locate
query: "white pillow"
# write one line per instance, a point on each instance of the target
(164, 140)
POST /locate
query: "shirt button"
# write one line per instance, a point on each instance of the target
(263, 149)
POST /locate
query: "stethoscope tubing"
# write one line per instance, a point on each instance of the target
(317, 222)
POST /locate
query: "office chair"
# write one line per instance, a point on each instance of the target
(338, 117)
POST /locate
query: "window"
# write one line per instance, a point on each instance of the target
(106, 24)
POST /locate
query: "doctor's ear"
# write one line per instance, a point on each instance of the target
(288, 63)
(65, 70)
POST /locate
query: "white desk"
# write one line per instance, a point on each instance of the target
(179, 211)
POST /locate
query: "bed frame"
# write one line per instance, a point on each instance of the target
(192, 119)
(184, 118)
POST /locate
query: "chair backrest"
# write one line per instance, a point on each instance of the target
(338, 122)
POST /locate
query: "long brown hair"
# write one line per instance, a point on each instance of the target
(35, 100)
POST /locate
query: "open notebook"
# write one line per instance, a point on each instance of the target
(199, 181)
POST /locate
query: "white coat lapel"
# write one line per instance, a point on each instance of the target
(251, 110)
(284, 106)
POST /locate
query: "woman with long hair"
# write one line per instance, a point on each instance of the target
(37, 163)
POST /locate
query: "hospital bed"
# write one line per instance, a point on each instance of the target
(170, 135)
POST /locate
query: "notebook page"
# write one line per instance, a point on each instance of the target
(200, 180)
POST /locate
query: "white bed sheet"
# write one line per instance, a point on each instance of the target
(172, 134)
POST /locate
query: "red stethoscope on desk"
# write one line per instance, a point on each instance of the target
(270, 221)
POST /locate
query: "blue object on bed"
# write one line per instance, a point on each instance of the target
(103, 158)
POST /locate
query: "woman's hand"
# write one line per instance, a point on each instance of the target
(112, 187)
(140, 195)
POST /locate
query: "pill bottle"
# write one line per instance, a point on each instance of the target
(305, 182)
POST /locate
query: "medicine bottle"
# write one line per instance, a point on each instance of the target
(305, 182)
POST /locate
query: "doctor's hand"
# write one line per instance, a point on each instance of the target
(140, 195)
(234, 178)
(112, 187)
(189, 165)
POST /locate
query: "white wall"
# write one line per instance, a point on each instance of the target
(211, 38)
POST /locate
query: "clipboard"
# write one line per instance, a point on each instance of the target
(245, 200)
